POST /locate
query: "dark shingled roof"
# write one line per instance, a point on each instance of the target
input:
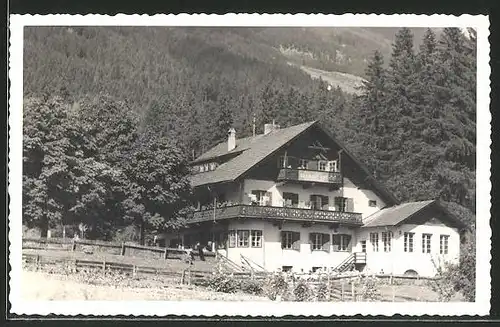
(253, 150)
(395, 215)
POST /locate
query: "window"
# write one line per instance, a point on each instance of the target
(340, 204)
(387, 241)
(243, 236)
(319, 202)
(443, 244)
(408, 242)
(261, 198)
(206, 167)
(286, 268)
(232, 238)
(315, 269)
(363, 246)
(290, 199)
(333, 166)
(290, 240)
(426, 243)
(221, 239)
(374, 241)
(282, 162)
(341, 242)
(322, 165)
(212, 165)
(302, 164)
(319, 241)
(256, 237)
(372, 203)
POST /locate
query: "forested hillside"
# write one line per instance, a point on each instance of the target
(110, 110)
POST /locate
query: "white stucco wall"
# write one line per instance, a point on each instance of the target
(272, 256)
(361, 196)
(397, 261)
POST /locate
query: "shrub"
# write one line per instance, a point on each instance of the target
(276, 285)
(302, 292)
(253, 287)
(370, 289)
(322, 292)
(223, 283)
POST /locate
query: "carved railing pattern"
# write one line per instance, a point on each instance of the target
(305, 175)
(267, 212)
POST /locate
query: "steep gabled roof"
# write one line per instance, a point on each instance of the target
(250, 151)
(253, 150)
(398, 214)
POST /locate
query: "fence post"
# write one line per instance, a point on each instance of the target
(353, 293)
(122, 252)
(189, 275)
(393, 293)
(342, 291)
(165, 255)
(104, 267)
(37, 262)
(73, 246)
(134, 271)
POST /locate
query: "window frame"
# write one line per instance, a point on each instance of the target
(408, 242)
(333, 164)
(256, 239)
(293, 204)
(232, 238)
(387, 241)
(315, 237)
(302, 163)
(372, 203)
(323, 162)
(239, 239)
(426, 243)
(363, 246)
(294, 240)
(342, 205)
(444, 244)
(375, 245)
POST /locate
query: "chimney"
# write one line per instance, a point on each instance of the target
(231, 139)
(268, 128)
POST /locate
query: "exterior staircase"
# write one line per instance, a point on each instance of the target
(354, 260)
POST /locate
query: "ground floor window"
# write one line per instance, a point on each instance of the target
(387, 241)
(341, 242)
(243, 238)
(232, 238)
(320, 241)
(363, 246)
(374, 241)
(256, 237)
(443, 244)
(426, 243)
(408, 242)
(290, 240)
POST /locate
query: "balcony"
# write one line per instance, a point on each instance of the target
(274, 213)
(312, 176)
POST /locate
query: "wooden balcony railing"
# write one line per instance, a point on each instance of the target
(286, 213)
(304, 175)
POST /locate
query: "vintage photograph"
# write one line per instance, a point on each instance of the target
(267, 164)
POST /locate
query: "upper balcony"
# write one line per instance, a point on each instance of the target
(313, 176)
(277, 213)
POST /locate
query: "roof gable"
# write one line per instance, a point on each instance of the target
(410, 213)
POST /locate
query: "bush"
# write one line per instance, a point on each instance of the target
(276, 285)
(302, 292)
(223, 283)
(253, 287)
(370, 289)
(322, 292)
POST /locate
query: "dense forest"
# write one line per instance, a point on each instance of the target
(112, 115)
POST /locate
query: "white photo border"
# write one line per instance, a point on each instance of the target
(251, 309)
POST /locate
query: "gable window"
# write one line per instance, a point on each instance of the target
(322, 165)
(319, 202)
(372, 203)
(426, 243)
(302, 164)
(261, 198)
(243, 238)
(256, 237)
(408, 242)
(212, 165)
(333, 166)
(443, 244)
(282, 162)
(387, 241)
(341, 242)
(290, 199)
(232, 238)
(319, 241)
(374, 241)
(290, 240)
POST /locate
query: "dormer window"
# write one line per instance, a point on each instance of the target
(322, 165)
(302, 163)
(333, 166)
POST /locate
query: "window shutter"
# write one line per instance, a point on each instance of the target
(325, 202)
(348, 239)
(350, 205)
(326, 242)
(311, 241)
(270, 198)
(296, 241)
(336, 242)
